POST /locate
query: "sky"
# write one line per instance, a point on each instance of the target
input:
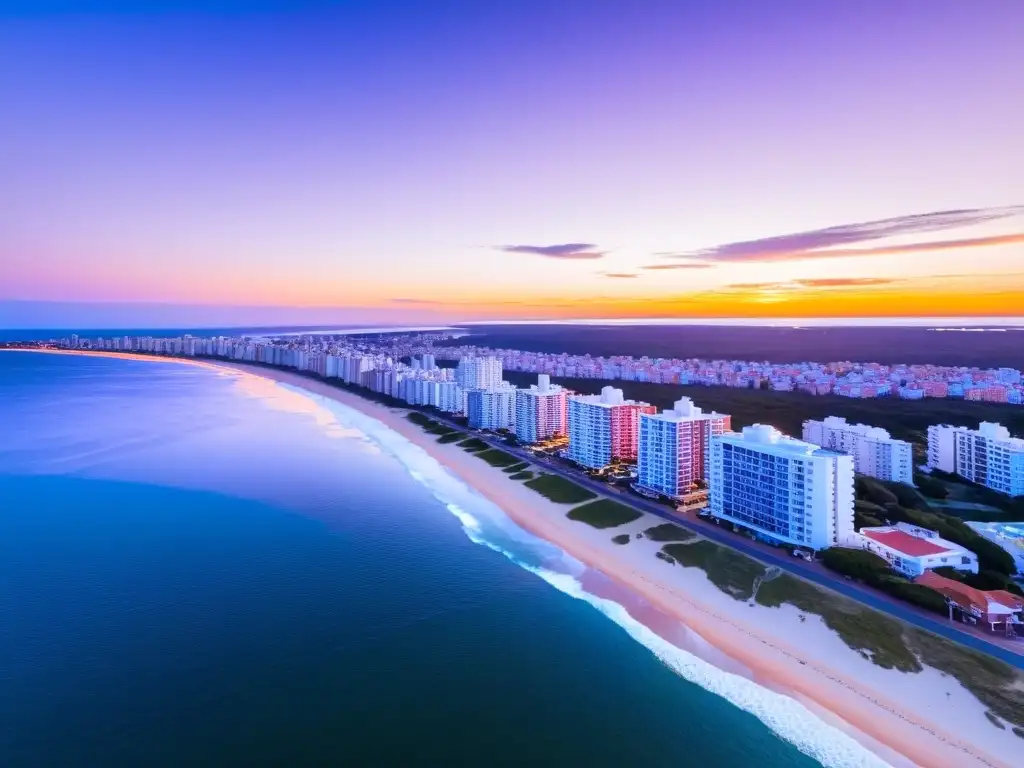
(271, 162)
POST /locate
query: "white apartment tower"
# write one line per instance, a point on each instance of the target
(674, 448)
(604, 428)
(783, 489)
(874, 451)
(541, 411)
(986, 455)
(493, 408)
(478, 373)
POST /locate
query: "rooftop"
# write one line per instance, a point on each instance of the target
(904, 543)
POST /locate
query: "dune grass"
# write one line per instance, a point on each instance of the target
(523, 475)
(668, 532)
(560, 490)
(519, 467)
(604, 513)
(497, 458)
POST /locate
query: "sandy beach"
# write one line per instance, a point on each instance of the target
(927, 718)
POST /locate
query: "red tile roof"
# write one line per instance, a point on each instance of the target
(966, 596)
(905, 543)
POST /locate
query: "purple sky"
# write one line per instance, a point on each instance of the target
(329, 157)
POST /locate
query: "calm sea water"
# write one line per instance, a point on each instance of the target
(209, 569)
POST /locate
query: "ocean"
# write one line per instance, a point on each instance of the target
(202, 568)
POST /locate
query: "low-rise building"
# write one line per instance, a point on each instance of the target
(997, 608)
(911, 550)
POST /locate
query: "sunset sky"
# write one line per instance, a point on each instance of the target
(411, 161)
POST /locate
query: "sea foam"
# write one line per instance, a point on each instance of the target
(488, 526)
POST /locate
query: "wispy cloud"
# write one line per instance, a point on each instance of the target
(845, 282)
(830, 241)
(420, 302)
(561, 251)
(817, 282)
(681, 265)
(621, 275)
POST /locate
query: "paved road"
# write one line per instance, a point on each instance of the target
(785, 562)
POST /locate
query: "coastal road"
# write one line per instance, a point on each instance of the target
(787, 563)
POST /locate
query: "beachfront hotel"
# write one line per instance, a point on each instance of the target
(874, 451)
(911, 550)
(478, 373)
(541, 411)
(674, 448)
(604, 428)
(986, 455)
(493, 408)
(782, 489)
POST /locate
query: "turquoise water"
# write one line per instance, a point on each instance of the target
(209, 569)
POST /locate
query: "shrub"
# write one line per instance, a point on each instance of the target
(559, 489)
(856, 563)
(622, 538)
(930, 487)
(604, 513)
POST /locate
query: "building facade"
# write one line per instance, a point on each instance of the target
(478, 373)
(782, 489)
(874, 451)
(986, 455)
(911, 550)
(493, 408)
(604, 428)
(674, 448)
(541, 411)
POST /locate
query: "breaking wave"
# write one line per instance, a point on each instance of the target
(488, 526)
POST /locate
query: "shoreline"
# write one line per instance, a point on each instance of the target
(832, 680)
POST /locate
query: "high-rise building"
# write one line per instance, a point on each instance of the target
(674, 448)
(493, 408)
(541, 411)
(874, 451)
(986, 455)
(783, 489)
(478, 372)
(604, 428)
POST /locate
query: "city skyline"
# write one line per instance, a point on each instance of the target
(304, 163)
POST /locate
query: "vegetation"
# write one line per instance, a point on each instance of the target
(517, 467)
(994, 682)
(930, 487)
(451, 437)
(622, 538)
(604, 513)
(900, 503)
(523, 475)
(668, 532)
(987, 580)
(559, 489)
(420, 419)
(870, 569)
(727, 569)
(473, 444)
(497, 458)
(905, 419)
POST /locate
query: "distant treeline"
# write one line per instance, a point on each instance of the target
(775, 345)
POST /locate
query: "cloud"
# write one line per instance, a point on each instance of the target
(563, 251)
(423, 302)
(619, 274)
(829, 242)
(816, 282)
(682, 265)
(844, 282)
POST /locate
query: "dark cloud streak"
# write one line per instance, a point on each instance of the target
(562, 251)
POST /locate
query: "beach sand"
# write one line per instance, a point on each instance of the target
(927, 718)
